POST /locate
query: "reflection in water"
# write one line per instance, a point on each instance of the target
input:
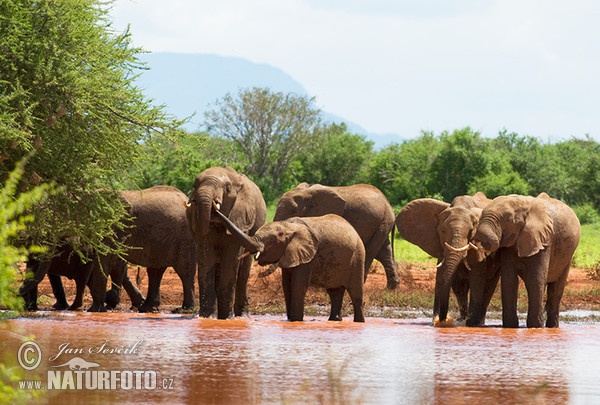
(266, 360)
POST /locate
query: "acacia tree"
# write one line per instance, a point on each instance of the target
(67, 89)
(270, 128)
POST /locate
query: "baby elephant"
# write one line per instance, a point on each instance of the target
(324, 251)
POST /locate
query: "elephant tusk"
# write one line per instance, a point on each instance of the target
(217, 206)
(188, 204)
(473, 246)
(457, 250)
(256, 255)
(440, 263)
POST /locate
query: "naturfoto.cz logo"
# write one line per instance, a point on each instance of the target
(78, 373)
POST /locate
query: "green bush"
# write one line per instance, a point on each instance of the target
(587, 214)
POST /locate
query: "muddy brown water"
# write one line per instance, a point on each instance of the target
(165, 358)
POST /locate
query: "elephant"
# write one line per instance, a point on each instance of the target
(66, 262)
(156, 236)
(324, 251)
(222, 275)
(537, 237)
(444, 231)
(364, 206)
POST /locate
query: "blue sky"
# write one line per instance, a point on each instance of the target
(402, 66)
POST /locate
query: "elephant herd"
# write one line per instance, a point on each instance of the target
(327, 237)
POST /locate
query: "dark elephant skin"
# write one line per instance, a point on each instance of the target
(222, 274)
(66, 262)
(160, 238)
(364, 206)
(324, 251)
(536, 237)
(444, 231)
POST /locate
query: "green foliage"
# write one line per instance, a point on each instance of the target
(587, 214)
(462, 158)
(336, 158)
(67, 90)
(14, 218)
(401, 171)
(178, 163)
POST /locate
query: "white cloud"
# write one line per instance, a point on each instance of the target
(403, 66)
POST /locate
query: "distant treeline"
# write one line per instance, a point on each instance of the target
(440, 166)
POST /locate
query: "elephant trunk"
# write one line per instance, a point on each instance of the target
(487, 238)
(452, 262)
(249, 243)
(199, 212)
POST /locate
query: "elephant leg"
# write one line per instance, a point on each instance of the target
(206, 284)
(240, 307)
(28, 290)
(300, 283)
(227, 280)
(336, 296)
(208, 270)
(187, 272)
(488, 290)
(555, 292)
(286, 285)
(386, 258)
(81, 280)
(97, 285)
(535, 283)
(117, 268)
(460, 286)
(135, 295)
(438, 287)
(509, 286)
(356, 296)
(152, 302)
(58, 291)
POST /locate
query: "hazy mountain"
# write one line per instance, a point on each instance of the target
(190, 83)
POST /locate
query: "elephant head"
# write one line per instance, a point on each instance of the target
(225, 189)
(520, 221)
(316, 200)
(288, 243)
(443, 231)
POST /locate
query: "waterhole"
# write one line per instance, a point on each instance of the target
(265, 360)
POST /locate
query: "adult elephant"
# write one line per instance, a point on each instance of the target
(537, 237)
(159, 238)
(222, 274)
(443, 231)
(364, 206)
(325, 251)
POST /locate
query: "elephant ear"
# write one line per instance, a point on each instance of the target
(537, 231)
(418, 221)
(243, 212)
(301, 247)
(325, 200)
